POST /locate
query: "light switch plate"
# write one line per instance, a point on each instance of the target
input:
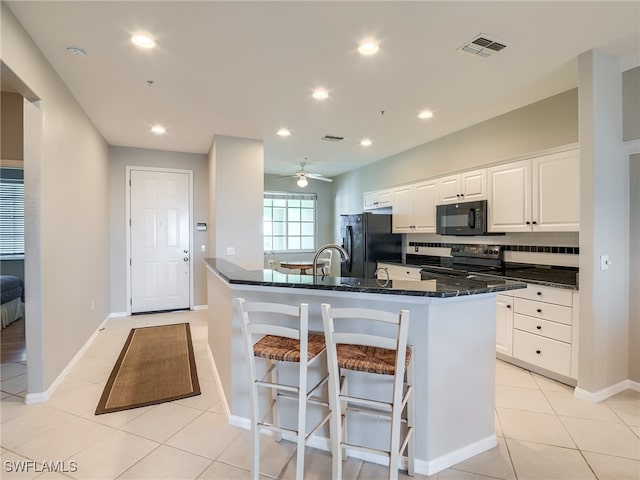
(604, 262)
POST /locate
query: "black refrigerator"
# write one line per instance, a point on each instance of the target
(368, 239)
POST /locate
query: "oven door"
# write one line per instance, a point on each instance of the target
(468, 218)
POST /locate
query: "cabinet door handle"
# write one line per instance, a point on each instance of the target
(539, 327)
(534, 222)
(538, 352)
(528, 222)
(508, 306)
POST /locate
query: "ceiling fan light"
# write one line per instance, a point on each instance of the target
(302, 181)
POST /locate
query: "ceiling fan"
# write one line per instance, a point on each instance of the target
(303, 177)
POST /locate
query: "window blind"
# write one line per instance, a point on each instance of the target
(11, 217)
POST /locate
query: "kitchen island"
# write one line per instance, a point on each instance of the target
(452, 332)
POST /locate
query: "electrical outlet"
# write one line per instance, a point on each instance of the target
(231, 251)
(604, 262)
(203, 248)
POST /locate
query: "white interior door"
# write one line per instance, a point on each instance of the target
(160, 257)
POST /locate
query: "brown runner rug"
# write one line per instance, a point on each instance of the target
(156, 365)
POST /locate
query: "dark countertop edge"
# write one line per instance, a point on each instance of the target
(546, 283)
(366, 289)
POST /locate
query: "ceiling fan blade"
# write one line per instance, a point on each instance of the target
(316, 177)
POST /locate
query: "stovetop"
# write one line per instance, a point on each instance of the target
(488, 260)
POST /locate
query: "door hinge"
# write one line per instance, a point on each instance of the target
(129, 222)
(131, 301)
(129, 182)
(130, 263)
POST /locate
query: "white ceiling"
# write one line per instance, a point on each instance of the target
(248, 68)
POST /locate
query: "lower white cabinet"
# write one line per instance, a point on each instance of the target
(504, 325)
(539, 326)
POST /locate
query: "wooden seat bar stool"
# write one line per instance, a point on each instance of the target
(266, 337)
(382, 354)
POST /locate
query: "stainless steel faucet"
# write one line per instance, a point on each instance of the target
(339, 248)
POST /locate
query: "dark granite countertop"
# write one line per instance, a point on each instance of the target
(438, 286)
(550, 276)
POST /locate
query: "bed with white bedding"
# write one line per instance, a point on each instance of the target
(11, 299)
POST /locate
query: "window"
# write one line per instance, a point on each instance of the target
(289, 221)
(11, 212)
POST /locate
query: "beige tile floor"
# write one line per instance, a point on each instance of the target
(544, 432)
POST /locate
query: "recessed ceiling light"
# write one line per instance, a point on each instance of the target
(365, 142)
(158, 130)
(143, 41)
(368, 47)
(283, 132)
(425, 114)
(320, 94)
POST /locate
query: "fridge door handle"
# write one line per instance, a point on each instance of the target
(349, 246)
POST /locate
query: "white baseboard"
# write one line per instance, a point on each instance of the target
(201, 307)
(118, 314)
(445, 461)
(39, 397)
(605, 393)
(422, 467)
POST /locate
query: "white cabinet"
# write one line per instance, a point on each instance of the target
(464, 187)
(545, 328)
(556, 192)
(397, 272)
(377, 199)
(504, 324)
(538, 194)
(414, 208)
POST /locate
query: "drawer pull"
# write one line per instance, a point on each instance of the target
(538, 352)
(539, 310)
(539, 293)
(539, 327)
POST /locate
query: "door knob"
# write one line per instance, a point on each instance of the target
(186, 259)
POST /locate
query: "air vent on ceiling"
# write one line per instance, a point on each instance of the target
(332, 138)
(483, 46)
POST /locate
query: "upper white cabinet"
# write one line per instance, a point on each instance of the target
(556, 192)
(463, 187)
(414, 208)
(538, 194)
(377, 199)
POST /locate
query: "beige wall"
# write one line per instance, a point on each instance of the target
(119, 159)
(236, 173)
(11, 129)
(631, 104)
(604, 225)
(69, 241)
(634, 269)
(545, 124)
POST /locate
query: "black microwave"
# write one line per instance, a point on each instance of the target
(468, 218)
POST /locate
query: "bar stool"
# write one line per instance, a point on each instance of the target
(278, 343)
(377, 354)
